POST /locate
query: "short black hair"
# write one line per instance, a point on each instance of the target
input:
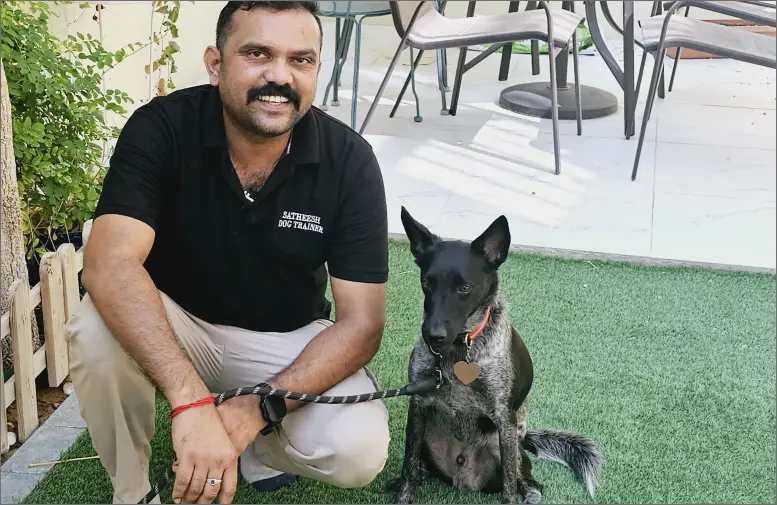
(225, 17)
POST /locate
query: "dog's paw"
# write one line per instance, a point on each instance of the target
(399, 489)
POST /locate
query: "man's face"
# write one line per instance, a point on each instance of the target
(268, 69)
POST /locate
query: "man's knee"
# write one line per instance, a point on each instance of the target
(361, 442)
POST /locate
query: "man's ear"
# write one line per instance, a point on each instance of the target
(421, 239)
(212, 61)
(494, 243)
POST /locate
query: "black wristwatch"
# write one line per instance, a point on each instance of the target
(273, 410)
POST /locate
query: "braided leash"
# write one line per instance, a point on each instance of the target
(414, 388)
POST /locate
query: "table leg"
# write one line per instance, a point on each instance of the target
(628, 67)
(533, 98)
(598, 39)
(625, 76)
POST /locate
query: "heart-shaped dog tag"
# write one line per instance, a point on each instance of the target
(466, 372)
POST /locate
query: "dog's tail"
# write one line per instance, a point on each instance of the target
(576, 452)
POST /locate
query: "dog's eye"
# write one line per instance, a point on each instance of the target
(424, 283)
(465, 288)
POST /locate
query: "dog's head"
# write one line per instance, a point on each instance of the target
(457, 277)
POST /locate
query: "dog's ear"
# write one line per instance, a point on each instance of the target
(421, 239)
(494, 243)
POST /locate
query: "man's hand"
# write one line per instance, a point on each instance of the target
(203, 450)
(242, 420)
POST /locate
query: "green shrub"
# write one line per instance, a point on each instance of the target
(57, 106)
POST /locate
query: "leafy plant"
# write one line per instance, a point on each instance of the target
(170, 11)
(58, 109)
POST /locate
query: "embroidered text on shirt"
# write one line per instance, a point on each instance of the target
(300, 221)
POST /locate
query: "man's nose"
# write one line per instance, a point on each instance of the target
(278, 72)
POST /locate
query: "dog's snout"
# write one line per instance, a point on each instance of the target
(435, 333)
(436, 337)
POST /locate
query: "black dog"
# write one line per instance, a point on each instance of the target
(471, 433)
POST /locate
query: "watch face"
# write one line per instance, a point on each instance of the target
(274, 408)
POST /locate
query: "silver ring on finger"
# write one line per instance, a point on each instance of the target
(213, 482)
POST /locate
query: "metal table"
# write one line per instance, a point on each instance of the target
(624, 76)
(532, 98)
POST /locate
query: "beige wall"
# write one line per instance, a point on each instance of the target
(121, 24)
(196, 25)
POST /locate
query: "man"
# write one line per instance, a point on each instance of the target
(223, 209)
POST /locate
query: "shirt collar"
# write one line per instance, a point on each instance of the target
(305, 146)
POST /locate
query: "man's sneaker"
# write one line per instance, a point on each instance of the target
(274, 483)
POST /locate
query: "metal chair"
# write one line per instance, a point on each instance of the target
(662, 32)
(422, 27)
(762, 13)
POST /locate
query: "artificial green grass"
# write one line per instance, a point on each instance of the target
(671, 371)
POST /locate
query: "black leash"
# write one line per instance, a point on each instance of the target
(414, 388)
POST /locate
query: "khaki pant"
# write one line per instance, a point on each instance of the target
(342, 445)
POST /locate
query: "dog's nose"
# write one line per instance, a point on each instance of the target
(434, 332)
(436, 338)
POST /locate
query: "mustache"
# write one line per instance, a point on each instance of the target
(273, 89)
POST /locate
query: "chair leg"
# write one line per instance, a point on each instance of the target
(676, 58)
(445, 69)
(355, 92)
(578, 98)
(674, 69)
(417, 117)
(348, 29)
(382, 87)
(342, 43)
(636, 95)
(457, 82)
(649, 105)
(554, 105)
(442, 80)
(323, 105)
(639, 85)
(413, 66)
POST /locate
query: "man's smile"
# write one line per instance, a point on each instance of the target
(274, 99)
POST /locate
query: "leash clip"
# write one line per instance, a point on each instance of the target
(437, 367)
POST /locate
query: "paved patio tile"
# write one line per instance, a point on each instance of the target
(731, 231)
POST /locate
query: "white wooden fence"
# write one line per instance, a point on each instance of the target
(58, 295)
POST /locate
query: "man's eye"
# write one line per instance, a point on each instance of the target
(303, 61)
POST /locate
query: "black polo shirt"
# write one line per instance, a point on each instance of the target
(261, 264)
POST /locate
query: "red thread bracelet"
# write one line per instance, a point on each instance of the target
(181, 408)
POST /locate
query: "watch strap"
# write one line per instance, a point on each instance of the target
(273, 410)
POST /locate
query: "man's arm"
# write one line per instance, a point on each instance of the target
(127, 216)
(129, 303)
(342, 349)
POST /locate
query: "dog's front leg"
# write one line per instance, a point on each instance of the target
(509, 448)
(402, 488)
